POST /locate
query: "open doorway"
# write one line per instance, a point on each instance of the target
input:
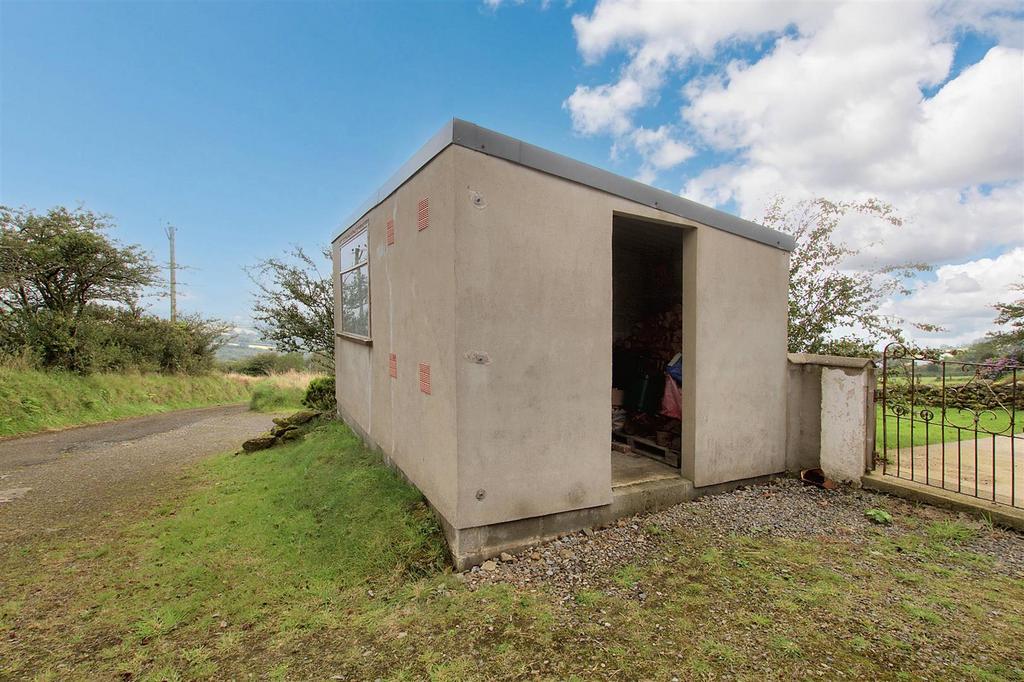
(647, 345)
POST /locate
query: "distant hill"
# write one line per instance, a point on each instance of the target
(243, 343)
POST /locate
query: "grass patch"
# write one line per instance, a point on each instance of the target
(313, 560)
(899, 431)
(33, 400)
(276, 395)
(627, 576)
(786, 647)
(277, 544)
(950, 532)
(922, 613)
(588, 597)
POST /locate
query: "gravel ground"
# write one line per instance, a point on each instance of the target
(785, 508)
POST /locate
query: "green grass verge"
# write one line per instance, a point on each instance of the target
(273, 546)
(997, 421)
(313, 561)
(33, 400)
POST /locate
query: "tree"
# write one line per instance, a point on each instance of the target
(1010, 342)
(832, 310)
(53, 267)
(294, 304)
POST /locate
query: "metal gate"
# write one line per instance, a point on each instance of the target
(953, 425)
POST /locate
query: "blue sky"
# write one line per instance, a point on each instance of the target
(254, 126)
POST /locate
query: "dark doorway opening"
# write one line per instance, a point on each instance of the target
(647, 330)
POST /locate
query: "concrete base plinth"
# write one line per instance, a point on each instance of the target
(1004, 515)
(471, 546)
(646, 493)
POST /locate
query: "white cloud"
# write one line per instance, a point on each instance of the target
(678, 30)
(832, 105)
(962, 283)
(819, 114)
(972, 131)
(829, 106)
(961, 297)
(999, 18)
(929, 157)
(607, 108)
(946, 226)
(495, 4)
(658, 36)
(659, 149)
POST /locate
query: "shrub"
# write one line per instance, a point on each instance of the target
(320, 394)
(110, 339)
(124, 339)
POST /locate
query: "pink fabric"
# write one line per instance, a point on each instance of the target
(672, 401)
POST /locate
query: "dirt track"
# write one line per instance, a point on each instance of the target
(64, 480)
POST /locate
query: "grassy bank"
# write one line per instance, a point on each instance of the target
(313, 561)
(32, 400)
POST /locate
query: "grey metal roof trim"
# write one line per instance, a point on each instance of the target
(434, 146)
(472, 136)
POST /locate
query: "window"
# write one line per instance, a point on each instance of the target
(355, 285)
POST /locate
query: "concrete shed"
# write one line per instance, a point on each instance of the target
(507, 326)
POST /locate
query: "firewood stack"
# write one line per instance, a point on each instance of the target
(659, 335)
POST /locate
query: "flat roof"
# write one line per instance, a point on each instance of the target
(472, 136)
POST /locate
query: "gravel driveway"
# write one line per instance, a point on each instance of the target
(62, 481)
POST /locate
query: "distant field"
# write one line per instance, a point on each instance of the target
(32, 400)
(951, 380)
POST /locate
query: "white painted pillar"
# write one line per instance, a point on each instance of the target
(844, 423)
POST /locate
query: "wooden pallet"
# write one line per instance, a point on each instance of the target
(648, 448)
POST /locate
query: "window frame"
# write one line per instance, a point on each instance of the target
(361, 229)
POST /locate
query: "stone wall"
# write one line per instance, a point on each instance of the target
(979, 394)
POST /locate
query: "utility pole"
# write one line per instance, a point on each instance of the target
(169, 231)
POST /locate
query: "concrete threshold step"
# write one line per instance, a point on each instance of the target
(645, 496)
